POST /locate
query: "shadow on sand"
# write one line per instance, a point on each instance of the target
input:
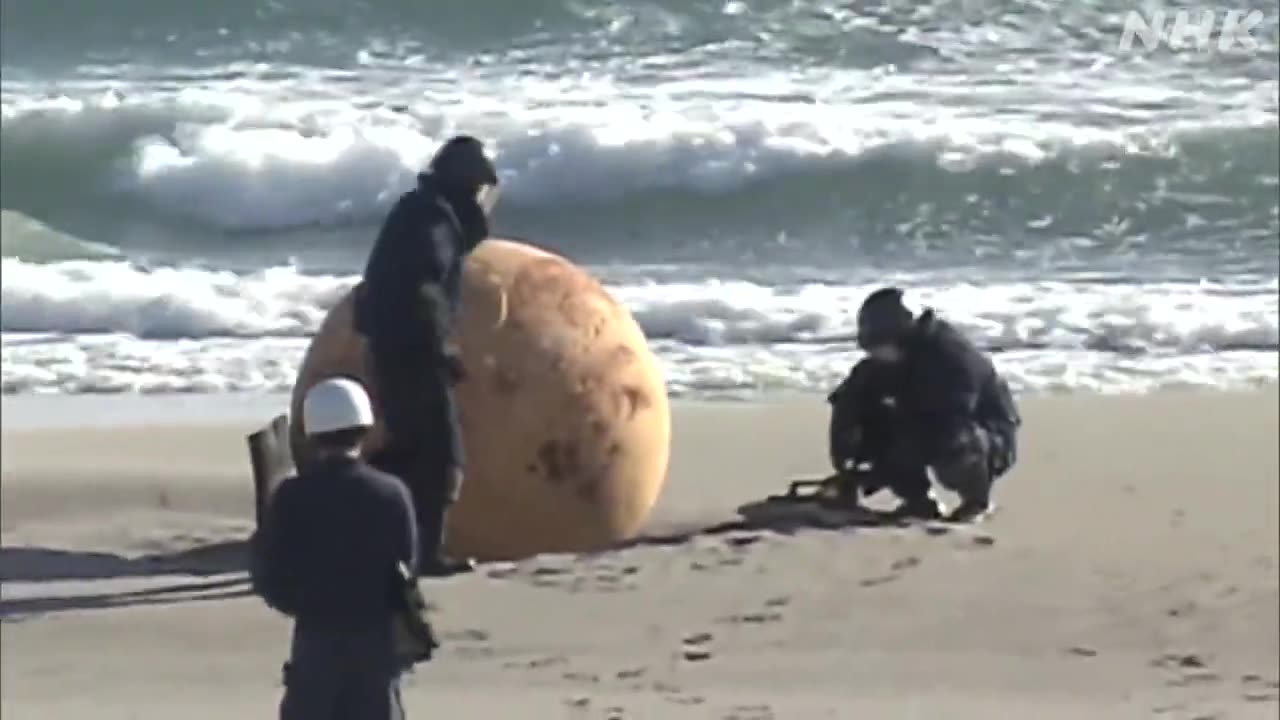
(211, 563)
(37, 564)
(767, 516)
(173, 594)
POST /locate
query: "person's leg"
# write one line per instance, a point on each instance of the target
(396, 375)
(411, 411)
(967, 472)
(371, 697)
(431, 514)
(308, 693)
(908, 478)
(432, 508)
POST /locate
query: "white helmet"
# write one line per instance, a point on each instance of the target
(336, 404)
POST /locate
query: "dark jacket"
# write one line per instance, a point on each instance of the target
(423, 241)
(406, 306)
(943, 386)
(327, 549)
(945, 383)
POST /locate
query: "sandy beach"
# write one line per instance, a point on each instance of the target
(1131, 572)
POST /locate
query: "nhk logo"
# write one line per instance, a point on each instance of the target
(1203, 31)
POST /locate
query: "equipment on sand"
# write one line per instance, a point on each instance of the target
(832, 502)
(271, 461)
(824, 502)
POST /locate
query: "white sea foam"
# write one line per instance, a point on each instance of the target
(105, 326)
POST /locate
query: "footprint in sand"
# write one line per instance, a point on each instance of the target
(904, 563)
(756, 618)
(501, 570)
(740, 542)
(878, 580)
(695, 648)
(675, 694)
(551, 570)
(537, 663)
(1191, 669)
(608, 574)
(469, 635)
(1175, 661)
(750, 712)
(1195, 678)
(1259, 689)
(895, 571)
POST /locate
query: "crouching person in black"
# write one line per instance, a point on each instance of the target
(331, 553)
(925, 398)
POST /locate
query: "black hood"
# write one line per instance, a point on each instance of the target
(472, 221)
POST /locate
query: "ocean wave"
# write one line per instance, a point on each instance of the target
(249, 163)
(114, 363)
(111, 326)
(89, 297)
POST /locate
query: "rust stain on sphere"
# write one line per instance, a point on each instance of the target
(564, 411)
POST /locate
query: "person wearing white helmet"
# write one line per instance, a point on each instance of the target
(327, 554)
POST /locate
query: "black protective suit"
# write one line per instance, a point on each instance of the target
(943, 406)
(326, 555)
(405, 307)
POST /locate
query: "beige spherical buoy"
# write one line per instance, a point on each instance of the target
(564, 412)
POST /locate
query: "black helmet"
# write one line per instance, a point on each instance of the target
(462, 163)
(884, 318)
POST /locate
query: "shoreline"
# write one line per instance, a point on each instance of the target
(34, 411)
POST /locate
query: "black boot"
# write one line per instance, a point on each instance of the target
(918, 507)
(911, 483)
(432, 560)
(971, 480)
(975, 504)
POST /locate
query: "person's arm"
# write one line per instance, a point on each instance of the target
(844, 436)
(447, 257)
(270, 564)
